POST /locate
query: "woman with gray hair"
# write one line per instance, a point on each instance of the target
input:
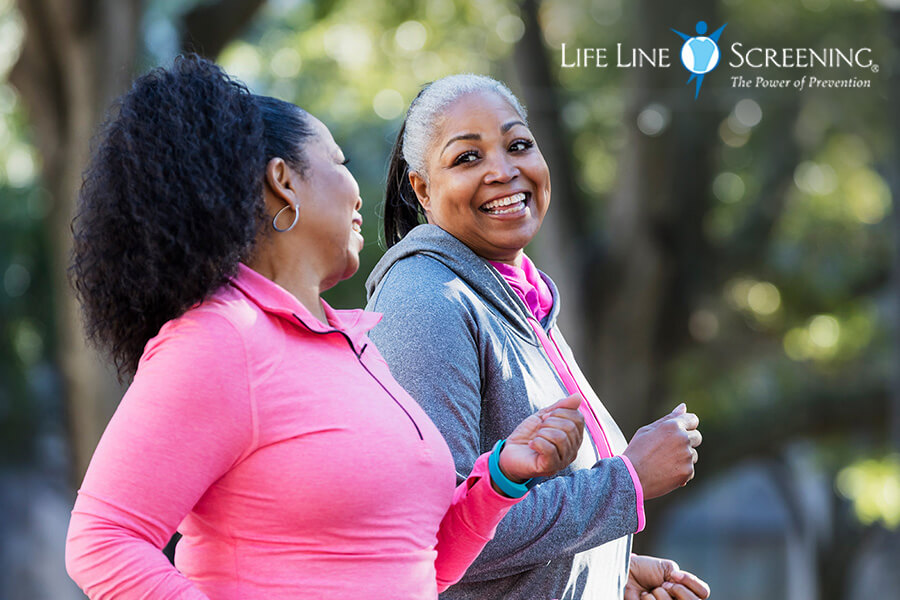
(469, 329)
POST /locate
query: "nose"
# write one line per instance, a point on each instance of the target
(358, 204)
(501, 170)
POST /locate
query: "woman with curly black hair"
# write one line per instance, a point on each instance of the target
(260, 423)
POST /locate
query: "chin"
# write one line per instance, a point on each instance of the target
(516, 241)
(352, 267)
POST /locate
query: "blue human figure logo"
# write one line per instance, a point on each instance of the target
(700, 54)
(703, 51)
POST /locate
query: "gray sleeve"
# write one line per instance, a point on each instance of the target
(429, 339)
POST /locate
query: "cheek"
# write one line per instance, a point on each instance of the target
(539, 173)
(352, 187)
(455, 195)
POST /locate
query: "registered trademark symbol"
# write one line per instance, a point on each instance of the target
(874, 68)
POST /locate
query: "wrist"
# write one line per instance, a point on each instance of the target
(499, 480)
(503, 464)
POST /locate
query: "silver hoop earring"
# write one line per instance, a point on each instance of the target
(278, 214)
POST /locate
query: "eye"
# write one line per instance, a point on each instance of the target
(465, 157)
(521, 145)
(346, 161)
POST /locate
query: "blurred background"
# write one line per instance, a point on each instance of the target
(737, 252)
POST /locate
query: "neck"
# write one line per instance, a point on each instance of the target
(513, 261)
(296, 277)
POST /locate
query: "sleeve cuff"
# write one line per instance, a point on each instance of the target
(638, 493)
(481, 475)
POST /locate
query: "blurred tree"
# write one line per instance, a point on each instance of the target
(734, 252)
(77, 56)
(697, 284)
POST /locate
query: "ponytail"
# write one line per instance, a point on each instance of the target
(172, 200)
(402, 210)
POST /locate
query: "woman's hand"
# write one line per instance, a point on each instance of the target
(545, 442)
(663, 452)
(652, 578)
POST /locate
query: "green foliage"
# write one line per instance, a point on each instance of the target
(873, 486)
(782, 311)
(356, 66)
(26, 340)
(789, 308)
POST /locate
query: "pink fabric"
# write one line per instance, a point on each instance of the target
(639, 492)
(595, 429)
(528, 284)
(285, 453)
(590, 418)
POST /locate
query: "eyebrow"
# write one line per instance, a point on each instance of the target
(509, 125)
(475, 136)
(463, 136)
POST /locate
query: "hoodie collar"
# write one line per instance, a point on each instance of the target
(275, 300)
(477, 272)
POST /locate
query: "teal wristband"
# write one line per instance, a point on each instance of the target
(510, 488)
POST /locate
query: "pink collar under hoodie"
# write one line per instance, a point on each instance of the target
(529, 286)
(286, 454)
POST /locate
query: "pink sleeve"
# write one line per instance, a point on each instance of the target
(469, 524)
(185, 420)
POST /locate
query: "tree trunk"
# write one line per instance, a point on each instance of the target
(893, 180)
(561, 244)
(77, 56)
(656, 245)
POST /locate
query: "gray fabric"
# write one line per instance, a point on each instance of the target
(456, 336)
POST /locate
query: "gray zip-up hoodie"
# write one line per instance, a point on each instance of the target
(457, 337)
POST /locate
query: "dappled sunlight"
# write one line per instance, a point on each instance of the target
(12, 32)
(825, 337)
(873, 486)
(734, 252)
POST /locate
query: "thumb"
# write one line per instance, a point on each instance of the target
(571, 402)
(679, 410)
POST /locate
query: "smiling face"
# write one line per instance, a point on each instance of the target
(329, 208)
(486, 182)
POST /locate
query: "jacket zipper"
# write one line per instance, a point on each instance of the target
(592, 422)
(362, 364)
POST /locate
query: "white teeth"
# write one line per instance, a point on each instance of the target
(513, 209)
(509, 200)
(355, 227)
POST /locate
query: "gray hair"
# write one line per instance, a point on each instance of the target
(426, 108)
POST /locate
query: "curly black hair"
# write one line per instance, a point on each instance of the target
(172, 199)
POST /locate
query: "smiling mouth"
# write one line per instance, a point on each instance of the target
(506, 205)
(356, 227)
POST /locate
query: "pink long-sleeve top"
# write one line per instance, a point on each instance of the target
(286, 454)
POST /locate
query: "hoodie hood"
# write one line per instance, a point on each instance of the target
(475, 271)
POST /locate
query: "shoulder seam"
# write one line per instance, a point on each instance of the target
(251, 397)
